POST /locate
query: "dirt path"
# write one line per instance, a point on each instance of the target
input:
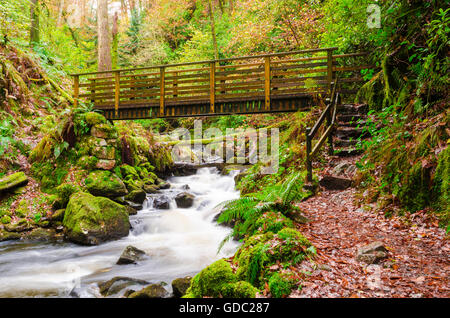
(418, 264)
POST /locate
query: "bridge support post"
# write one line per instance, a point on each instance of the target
(267, 81)
(330, 136)
(212, 87)
(76, 89)
(116, 93)
(308, 156)
(162, 91)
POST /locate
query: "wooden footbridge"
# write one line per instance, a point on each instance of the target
(280, 82)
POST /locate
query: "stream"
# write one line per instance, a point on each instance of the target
(178, 242)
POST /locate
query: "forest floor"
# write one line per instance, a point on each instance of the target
(418, 263)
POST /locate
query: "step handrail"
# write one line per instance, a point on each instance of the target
(330, 114)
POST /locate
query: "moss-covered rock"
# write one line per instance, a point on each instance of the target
(8, 236)
(180, 286)
(136, 196)
(211, 280)
(105, 183)
(104, 131)
(239, 289)
(13, 181)
(281, 284)
(90, 220)
(441, 184)
(64, 191)
(93, 118)
(152, 291)
(6, 219)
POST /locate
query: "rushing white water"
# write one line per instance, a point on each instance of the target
(178, 242)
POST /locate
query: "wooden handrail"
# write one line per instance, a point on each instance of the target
(210, 61)
(329, 113)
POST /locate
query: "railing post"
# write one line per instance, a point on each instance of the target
(76, 89)
(267, 81)
(117, 93)
(330, 69)
(162, 91)
(308, 158)
(175, 84)
(212, 87)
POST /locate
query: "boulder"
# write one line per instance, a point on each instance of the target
(335, 183)
(13, 181)
(184, 200)
(151, 291)
(162, 202)
(40, 234)
(136, 196)
(164, 185)
(104, 131)
(21, 225)
(151, 188)
(131, 255)
(105, 184)
(180, 286)
(91, 220)
(8, 236)
(58, 215)
(116, 284)
(371, 253)
(105, 164)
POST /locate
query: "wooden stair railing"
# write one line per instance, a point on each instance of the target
(330, 115)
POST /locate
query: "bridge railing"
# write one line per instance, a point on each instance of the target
(164, 89)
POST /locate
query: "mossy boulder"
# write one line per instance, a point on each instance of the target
(218, 280)
(105, 183)
(93, 118)
(13, 181)
(6, 219)
(136, 196)
(8, 236)
(180, 286)
(64, 191)
(91, 220)
(211, 280)
(260, 251)
(281, 284)
(152, 291)
(184, 200)
(104, 131)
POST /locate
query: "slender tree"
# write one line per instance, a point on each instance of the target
(115, 40)
(213, 29)
(34, 27)
(104, 42)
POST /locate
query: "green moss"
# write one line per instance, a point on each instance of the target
(93, 118)
(22, 209)
(105, 183)
(87, 162)
(6, 219)
(91, 220)
(64, 191)
(211, 280)
(239, 289)
(441, 185)
(272, 222)
(281, 285)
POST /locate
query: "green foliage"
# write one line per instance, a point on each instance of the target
(281, 285)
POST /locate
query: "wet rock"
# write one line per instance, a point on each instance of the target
(105, 184)
(239, 176)
(116, 284)
(58, 215)
(162, 202)
(164, 185)
(184, 200)
(335, 183)
(136, 196)
(180, 286)
(151, 188)
(41, 235)
(371, 253)
(105, 164)
(20, 226)
(185, 187)
(90, 220)
(131, 210)
(131, 255)
(151, 291)
(13, 181)
(8, 236)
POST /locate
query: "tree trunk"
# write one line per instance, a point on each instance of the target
(60, 13)
(213, 29)
(115, 41)
(104, 44)
(34, 27)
